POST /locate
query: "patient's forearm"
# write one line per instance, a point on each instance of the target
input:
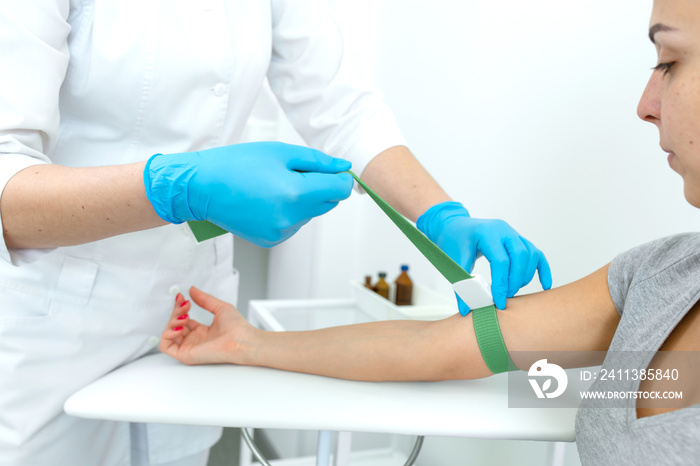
(377, 351)
(579, 317)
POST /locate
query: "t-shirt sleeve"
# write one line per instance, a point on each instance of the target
(319, 93)
(35, 58)
(624, 270)
(621, 274)
(639, 263)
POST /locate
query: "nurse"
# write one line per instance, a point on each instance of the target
(118, 122)
(642, 308)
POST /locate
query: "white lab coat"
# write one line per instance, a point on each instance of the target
(87, 83)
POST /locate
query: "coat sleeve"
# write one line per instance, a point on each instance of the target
(317, 90)
(34, 38)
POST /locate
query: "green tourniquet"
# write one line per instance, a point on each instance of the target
(204, 230)
(490, 340)
(442, 262)
(486, 328)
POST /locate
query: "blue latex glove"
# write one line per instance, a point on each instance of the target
(513, 259)
(263, 192)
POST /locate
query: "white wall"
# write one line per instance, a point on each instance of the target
(523, 111)
(526, 111)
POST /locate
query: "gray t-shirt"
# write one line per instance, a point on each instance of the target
(653, 286)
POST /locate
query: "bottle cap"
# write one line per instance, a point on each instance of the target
(404, 268)
(382, 274)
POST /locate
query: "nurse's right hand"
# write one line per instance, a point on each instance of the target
(263, 192)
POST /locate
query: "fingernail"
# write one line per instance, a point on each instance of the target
(182, 317)
(176, 329)
(177, 296)
(184, 304)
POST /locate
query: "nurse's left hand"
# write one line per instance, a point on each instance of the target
(513, 259)
(191, 342)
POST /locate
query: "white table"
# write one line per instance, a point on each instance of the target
(151, 390)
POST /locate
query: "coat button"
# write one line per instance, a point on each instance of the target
(153, 341)
(175, 289)
(220, 89)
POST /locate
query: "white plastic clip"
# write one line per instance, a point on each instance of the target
(475, 292)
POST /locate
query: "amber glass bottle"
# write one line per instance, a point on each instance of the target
(368, 282)
(404, 288)
(382, 287)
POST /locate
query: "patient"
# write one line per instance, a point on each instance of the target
(646, 299)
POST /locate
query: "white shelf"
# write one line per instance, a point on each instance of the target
(311, 314)
(294, 315)
(427, 304)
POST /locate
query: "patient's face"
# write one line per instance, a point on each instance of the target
(671, 99)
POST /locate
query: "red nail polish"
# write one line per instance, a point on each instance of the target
(184, 303)
(182, 317)
(177, 296)
(177, 329)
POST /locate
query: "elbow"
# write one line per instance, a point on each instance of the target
(455, 353)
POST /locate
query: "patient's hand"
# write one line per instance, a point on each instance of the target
(193, 343)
